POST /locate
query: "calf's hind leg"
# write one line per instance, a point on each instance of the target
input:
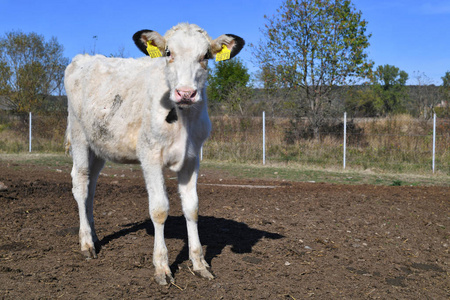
(85, 171)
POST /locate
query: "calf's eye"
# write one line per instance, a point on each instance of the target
(167, 52)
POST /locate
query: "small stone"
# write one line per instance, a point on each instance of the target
(3, 187)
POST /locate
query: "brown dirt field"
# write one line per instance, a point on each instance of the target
(294, 241)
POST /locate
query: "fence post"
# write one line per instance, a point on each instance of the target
(434, 141)
(264, 136)
(29, 143)
(201, 153)
(345, 136)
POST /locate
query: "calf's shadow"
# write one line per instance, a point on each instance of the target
(215, 234)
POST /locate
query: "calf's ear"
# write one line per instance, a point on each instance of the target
(233, 43)
(150, 41)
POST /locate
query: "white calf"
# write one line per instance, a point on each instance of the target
(150, 111)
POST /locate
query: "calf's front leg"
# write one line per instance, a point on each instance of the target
(159, 209)
(187, 184)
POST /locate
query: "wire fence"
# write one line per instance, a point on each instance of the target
(32, 132)
(392, 144)
(398, 143)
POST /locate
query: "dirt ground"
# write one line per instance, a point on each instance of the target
(275, 240)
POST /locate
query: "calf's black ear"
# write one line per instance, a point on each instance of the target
(146, 37)
(227, 46)
(239, 43)
(141, 43)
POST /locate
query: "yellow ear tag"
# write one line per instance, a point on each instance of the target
(224, 54)
(153, 51)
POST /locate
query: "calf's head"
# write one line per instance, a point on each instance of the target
(186, 49)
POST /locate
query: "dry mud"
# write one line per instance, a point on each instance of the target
(263, 240)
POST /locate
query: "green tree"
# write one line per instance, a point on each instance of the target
(277, 95)
(446, 80)
(30, 69)
(389, 87)
(228, 83)
(360, 100)
(444, 109)
(314, 45)
(225, 76)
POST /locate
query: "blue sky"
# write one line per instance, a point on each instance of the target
(410, 34)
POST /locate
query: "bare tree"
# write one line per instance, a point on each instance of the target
(424, 95)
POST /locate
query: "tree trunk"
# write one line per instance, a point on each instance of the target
(316, 132)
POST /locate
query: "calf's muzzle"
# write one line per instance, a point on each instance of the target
(185, 95)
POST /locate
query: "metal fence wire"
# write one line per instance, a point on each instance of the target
(397, 143)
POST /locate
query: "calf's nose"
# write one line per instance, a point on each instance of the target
(183, 94)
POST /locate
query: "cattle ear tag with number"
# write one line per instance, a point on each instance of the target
(153, 51)
(224, 54)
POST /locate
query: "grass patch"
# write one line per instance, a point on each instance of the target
(272, 171)
(39, 159)
(296, 172)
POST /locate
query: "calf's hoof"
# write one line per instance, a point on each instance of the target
(204, 273)
(161, 278)
(89, 253)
